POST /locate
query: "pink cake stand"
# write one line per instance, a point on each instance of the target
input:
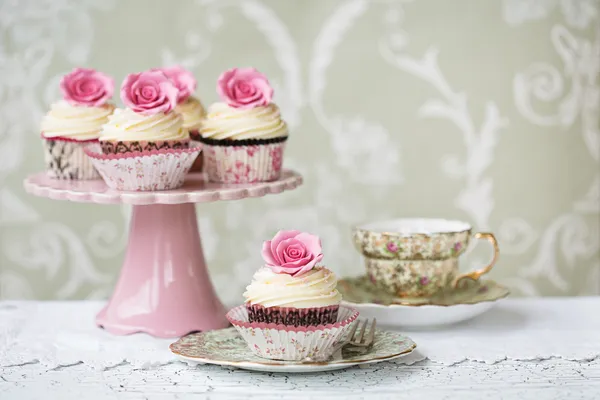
(164, 288)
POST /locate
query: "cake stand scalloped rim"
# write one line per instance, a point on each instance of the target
(289, 181)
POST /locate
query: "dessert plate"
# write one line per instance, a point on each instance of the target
(469, 300)
(226, 347)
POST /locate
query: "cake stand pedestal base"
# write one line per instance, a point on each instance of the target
(164, 288)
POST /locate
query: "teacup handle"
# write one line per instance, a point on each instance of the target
(475, 275)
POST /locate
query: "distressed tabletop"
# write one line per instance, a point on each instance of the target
(77, 361)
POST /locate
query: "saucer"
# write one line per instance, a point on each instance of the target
(226, 347)
(469, 300)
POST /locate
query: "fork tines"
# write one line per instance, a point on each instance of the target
(357, 336)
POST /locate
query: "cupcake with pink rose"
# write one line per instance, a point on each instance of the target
(188, 106)
(144, 146)
(149, 121)
(244, 134)
(76, 121)
(292, 309)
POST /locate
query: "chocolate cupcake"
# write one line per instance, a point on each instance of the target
(144, 146)
(291, 290)
(148, 123)
(244, 135)
(292, 308)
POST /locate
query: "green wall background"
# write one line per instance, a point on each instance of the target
(486, 111)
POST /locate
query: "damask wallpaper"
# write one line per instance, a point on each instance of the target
(486, 111)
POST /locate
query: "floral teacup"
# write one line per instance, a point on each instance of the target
(417, 257)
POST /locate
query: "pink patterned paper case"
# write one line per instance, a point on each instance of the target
(244, 161)
(291, 316)
(199, 163)
(280, 342)
(121, 147)
(144, 171)
(65, 159)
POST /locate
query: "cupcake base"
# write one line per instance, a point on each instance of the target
(121, 147)
(290, 316)
(243, 161)
(144, 171)
(65, 159)
(199, 163)
(280, 342)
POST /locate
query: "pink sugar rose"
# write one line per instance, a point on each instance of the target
(149, 93)
(292, 252)
(86, 87)
(182, 79)
(244, 88)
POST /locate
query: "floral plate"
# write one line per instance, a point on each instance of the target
(469, 300)
(226, 347)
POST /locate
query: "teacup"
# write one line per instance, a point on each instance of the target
(417, 257)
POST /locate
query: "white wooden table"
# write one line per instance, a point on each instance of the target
(64, 361)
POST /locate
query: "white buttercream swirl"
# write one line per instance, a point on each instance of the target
(75, 122)
(224, 122)
(128, 126)
(316, 288)
(192, 112)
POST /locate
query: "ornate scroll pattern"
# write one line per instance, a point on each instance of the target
(36, 34)
(475, 199)
(573, 90)
(364, 149)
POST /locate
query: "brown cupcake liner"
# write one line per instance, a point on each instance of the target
(290, 316)
(122, 147)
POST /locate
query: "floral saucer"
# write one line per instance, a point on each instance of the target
(469, 300)
(226, 347)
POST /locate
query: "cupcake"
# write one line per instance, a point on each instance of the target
(148, 122)
(292, 309)
(244, 135)
(291, 289)
(188, 106)
(75, 122)
(144, 146)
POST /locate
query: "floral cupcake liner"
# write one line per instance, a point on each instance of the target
(66, 159)
(244, 161)
(290, 316)
(199, 163)
(121, 147)
(280, 342)
(144, 171)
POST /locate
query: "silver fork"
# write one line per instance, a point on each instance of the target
(356, 338)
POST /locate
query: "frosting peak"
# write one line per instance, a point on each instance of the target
(192, 112)
(315, 288)
(75, 122)
(127, 126)
(224, 122)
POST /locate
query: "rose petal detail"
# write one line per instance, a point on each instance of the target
(244, 88)
(312, 242)
(280, 236)
(267, 255)
(183, 80)
(292, 252)
(86, 87)
(149, 93)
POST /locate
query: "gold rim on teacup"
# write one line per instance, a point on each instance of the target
(417, 256)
